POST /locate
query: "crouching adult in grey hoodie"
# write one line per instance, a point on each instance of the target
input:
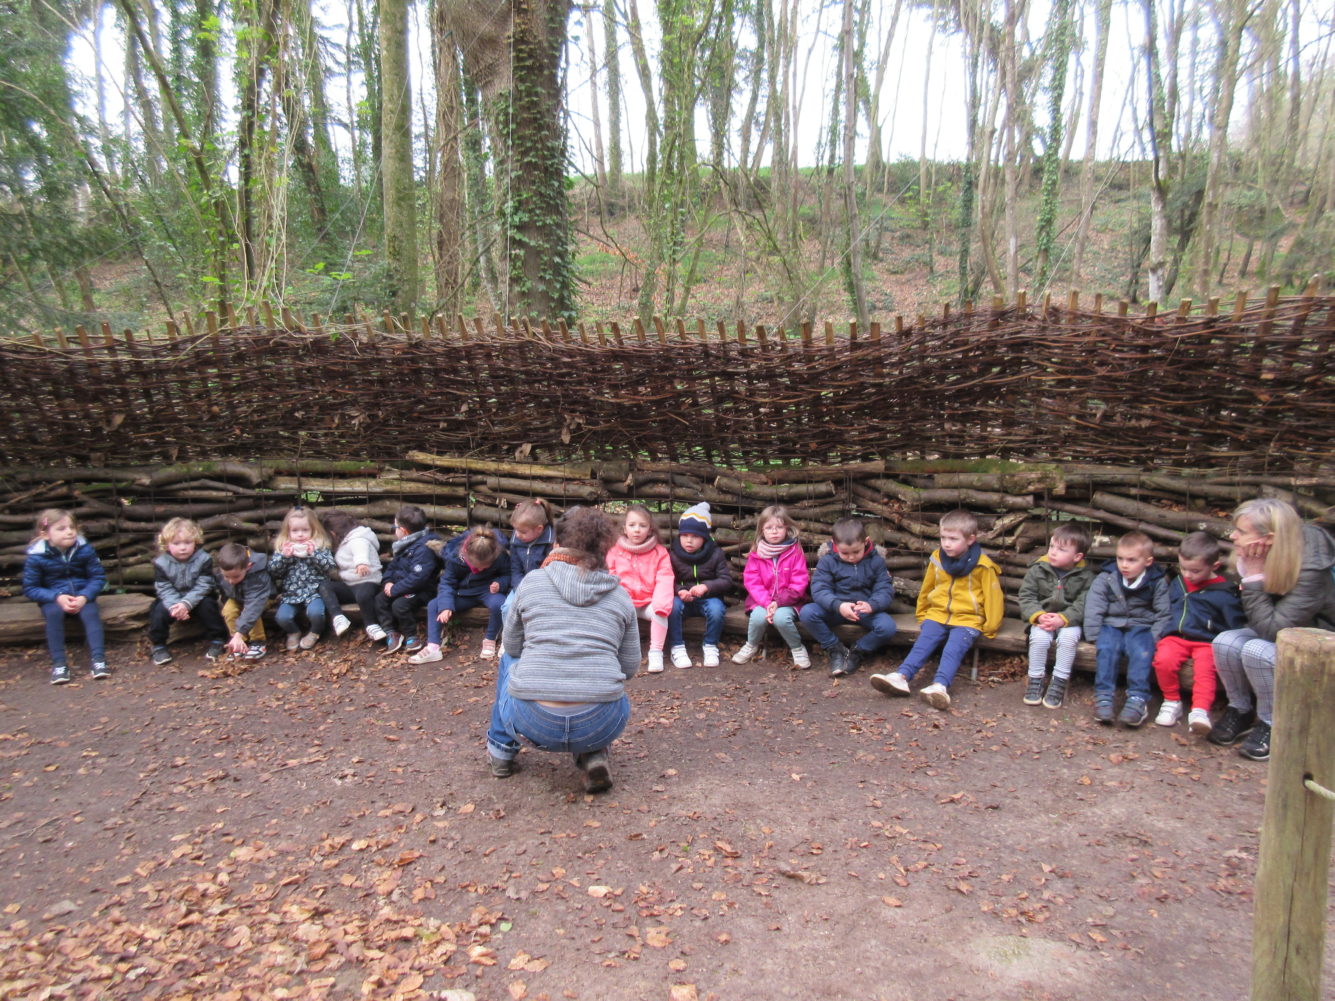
(571, 642)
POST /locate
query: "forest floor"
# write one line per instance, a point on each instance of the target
(324, 825)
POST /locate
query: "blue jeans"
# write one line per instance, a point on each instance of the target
(55, 630)
(590, 729)
(288, 616)
(462, 603)
(1137, 643)
(712, 609)
(785, 621)
(931, 634)
(879, 625)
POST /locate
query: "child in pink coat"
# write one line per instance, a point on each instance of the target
(642, 562)
(776, 578)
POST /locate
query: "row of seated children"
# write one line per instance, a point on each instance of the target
(1132, 611)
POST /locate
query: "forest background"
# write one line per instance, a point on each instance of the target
(765, 161)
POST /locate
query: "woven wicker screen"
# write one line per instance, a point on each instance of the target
(1251, 390)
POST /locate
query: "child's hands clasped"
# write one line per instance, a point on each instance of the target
(71, 603)
(1050, 621)
(770, 609)
(853, 611)
(180, 611)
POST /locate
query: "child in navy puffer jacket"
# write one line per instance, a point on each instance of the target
(1203, 604)
(64, 576)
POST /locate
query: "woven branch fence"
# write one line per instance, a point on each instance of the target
(1251, 389)
(121, 509)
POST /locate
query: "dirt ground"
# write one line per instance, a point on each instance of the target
(324, 825)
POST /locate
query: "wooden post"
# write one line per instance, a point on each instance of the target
(1289, 922)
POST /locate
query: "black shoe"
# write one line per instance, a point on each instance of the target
(1232, 727)
(854, 660)
(60, 674)
(1033, 691)
(99, 670)
(838, 660)
(1134, 712)
(1052, 698)
(215, 650)
(1103, 710)
(503, 768)
(1257, 744)
(597, 771)
(161, 655)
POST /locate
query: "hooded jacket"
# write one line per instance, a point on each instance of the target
(528, 556)
(1112, 603)
(413, 567)
(298, 578)
(708, 565)
(574, 634)
(359, 547)
(1201, 612)
(48, 573)
(647, 577)
(1046, 590)
(252, 594)
(974, 600)
(1312, 600)
(457, 579)
(783, 579)
(189, 581)
(834, 581)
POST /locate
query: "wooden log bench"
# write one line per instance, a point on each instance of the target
(21, 623)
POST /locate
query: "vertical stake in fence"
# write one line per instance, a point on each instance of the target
(1289, 924)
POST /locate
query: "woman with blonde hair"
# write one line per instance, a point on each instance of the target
(1287, 570)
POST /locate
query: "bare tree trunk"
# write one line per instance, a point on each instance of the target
(1102, 25)
(876, 166)
(447, 194)
(1231, 22)
(396, 162)
(612, 50)
(1160, 135)
(596, 116)
(641, 58)
(853, 226)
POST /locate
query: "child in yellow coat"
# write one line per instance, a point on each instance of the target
(961, 599)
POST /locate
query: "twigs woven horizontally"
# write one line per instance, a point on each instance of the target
(1254, 390)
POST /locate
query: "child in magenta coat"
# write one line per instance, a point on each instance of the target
(776, 578)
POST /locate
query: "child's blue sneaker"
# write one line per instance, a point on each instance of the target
(412, 644)
(1134, 712)
(99, 670)
(1103, 710)
(161, 655)
(60, 674)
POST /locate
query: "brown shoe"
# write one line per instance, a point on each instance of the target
(597, 771)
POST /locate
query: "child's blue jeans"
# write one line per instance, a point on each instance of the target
(1136, 643)
(931, 634)
(462, 603)
(879, 625)
(55, 630)
(713, 611)
(288, 616)
(590, 728)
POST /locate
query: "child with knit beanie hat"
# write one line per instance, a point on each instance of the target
(701, 577)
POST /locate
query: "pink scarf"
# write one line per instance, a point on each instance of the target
(650, 541)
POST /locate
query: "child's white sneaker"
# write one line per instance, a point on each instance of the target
(341, 624)
(890, 683)
(936, 695)
(680, 658)
(710, 655)
(801, 659)
(429, 654)
(1169, 713)
(488, 649)
(655, 662)
(375, 633)
(745, 654)
(1198, 720)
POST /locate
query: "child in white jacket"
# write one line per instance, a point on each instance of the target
(357, 555)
